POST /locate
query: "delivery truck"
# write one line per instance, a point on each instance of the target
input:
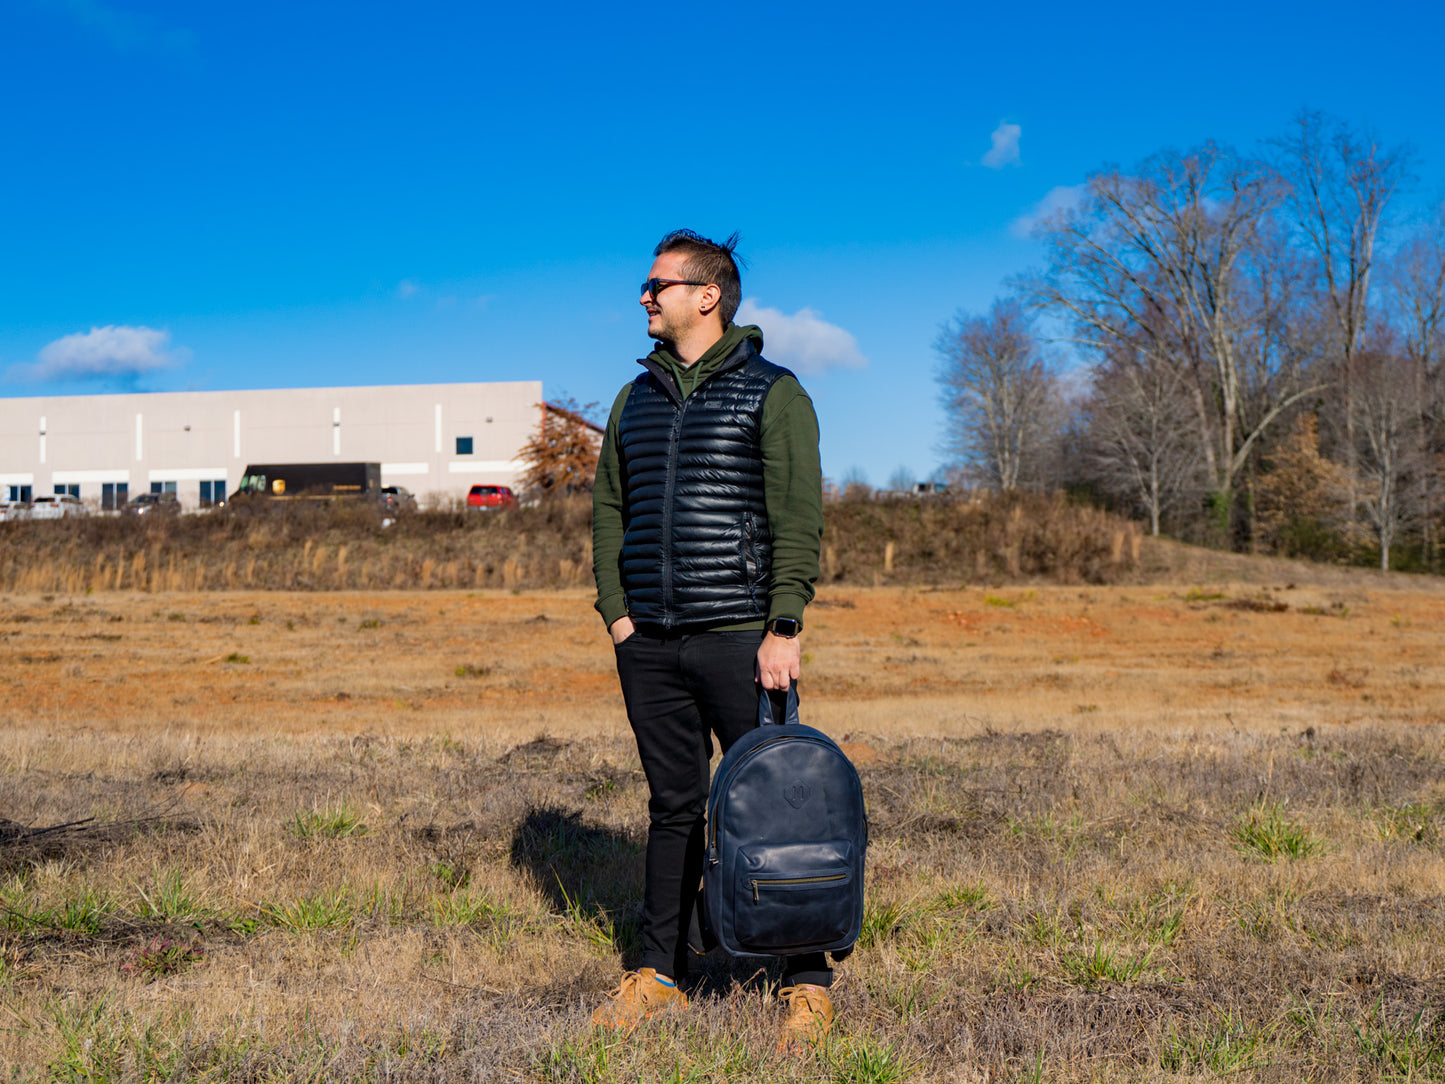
(265, 482)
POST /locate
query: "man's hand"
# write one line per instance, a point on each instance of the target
(780, 659)
(621, 629)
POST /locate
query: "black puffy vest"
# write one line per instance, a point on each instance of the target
(696, 547)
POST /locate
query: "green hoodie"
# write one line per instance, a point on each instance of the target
(792, 484)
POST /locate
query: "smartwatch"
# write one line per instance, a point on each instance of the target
(786, 627)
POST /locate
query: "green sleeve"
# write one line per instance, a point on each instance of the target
(793, 490)
(607, 520)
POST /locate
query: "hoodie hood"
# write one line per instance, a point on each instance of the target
(688, 377)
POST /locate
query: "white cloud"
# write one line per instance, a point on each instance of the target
(1063, 198)
(125, 31)
(407, 288)
(110, 351)
(804, 342)
(1005, 149)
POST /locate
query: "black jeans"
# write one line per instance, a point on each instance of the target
(681, 689)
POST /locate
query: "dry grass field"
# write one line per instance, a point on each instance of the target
(1118, 833)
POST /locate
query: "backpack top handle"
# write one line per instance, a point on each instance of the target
(767, 710)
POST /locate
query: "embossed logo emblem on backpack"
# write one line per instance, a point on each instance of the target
(797, 794)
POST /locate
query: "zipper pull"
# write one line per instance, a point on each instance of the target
(755, 891)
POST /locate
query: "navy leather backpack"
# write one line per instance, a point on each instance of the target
(787, 834)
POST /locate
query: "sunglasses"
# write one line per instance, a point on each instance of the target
(653, 287)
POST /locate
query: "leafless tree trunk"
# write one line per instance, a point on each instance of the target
(1157, 261)
(997, 389)
(1141, 430)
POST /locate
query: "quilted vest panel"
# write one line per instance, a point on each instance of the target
(696, 545)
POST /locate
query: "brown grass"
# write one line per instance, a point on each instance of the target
(397, 836)
(300, 548)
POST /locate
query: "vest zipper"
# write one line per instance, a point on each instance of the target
(668, 492)
(756, 881)
(750, 558)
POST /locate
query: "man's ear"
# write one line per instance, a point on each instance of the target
(709, 298)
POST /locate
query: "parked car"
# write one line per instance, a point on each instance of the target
(13, 510)
(490, 497)
(396, 499)
(56, 506)
(151, 504)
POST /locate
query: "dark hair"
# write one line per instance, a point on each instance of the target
(710, 262)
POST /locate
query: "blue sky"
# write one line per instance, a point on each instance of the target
(308, 194)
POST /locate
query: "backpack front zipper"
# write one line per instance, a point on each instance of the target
(756, 882)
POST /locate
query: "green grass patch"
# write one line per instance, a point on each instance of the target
(84, 912)
(881, 921)
(341, 822)
(1413, 822)
(1228, 1045)
(595, 926)
(1262, 832)
(1412, 1048)
(864, 1060)
(963, 897)
(469, 907)
(324, 911)
(169, 897)
(1104, 964)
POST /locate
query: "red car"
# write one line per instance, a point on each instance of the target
(490, 497)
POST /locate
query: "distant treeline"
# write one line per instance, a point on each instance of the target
(1264, 335)
(893, 541)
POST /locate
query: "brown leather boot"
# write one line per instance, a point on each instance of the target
(810, 1014)
(639, 996)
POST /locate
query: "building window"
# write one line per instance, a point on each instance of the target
(73, 490)
(20, 494)
(213, 493)
(113, 496)
(163, 487)
(464, 445)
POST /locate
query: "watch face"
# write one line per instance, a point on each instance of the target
(785, 626)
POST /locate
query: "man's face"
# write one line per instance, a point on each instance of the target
(674, 312)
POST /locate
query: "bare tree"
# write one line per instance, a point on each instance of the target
(999, 389)
(1142, 441)
(1415, 290)
(1168, 261)
(1416, 286)
(1338, 184)
(1390, 462)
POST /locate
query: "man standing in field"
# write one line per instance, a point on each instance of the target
(707, 521)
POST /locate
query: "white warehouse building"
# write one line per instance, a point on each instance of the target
(437, 440)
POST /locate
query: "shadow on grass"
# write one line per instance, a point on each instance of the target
(590, 873)
(593, 876)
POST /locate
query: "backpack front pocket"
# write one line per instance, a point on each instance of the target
(795, 897)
